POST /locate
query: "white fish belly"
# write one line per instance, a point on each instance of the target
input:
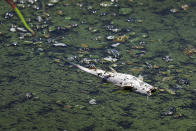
(130, 81)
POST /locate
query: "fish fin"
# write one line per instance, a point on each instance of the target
(140, 77)
(113, 70)
(91, 71)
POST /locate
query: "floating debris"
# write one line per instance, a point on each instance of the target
(170, 111)
(57, 60)
(108, 27)
(86, 60)
(137, 47)
(13, 29)
(50, 4)
(174, 10)
(131, 19)
(8, 15)
(190, 52)
(167, 58)
(148, 65)
(29, 95)
(23, 35)
(83, 45)
(92, 29)
(92, 102)
(74, 25)
(115, 45)
(59, 44)
(115, 30)
(46, 35)
(21, 29)
(110, 59)
(110, 37)
(106, 4)
(15, 43)
(36, 7)
(185, 7)
(115, 53)
(59, 12)
(178, 86)
(122, 38)
(17, 11)
(53, 1)
(39, 19)
(103, 14)
(183, 81)
(72, 58)
(156, 67)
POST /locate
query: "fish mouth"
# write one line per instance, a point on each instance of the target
(151, 91)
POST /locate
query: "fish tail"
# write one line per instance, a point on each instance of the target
(84, 68)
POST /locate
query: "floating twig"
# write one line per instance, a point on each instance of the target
(20, 16)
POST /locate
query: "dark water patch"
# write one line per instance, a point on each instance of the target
(45, 110)
(125, 124)
(189, 62)
(182, 41)
(128, 111)
(164, 97)
(4, 38)
(94, 92)
(16, 54)
(163, 12)
(11, 104)
(11, 78)
(193, 93)
(160, 53)
(8, 79)
(88, 128)
(51, 91)
(193, 3)
(193, 105)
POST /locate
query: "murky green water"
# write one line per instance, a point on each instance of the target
(40, 91)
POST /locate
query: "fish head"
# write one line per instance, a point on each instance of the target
(151, 90)
(146, 88)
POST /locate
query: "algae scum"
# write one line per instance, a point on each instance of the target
(40, 91)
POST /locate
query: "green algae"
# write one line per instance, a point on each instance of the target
(125, 11)
(61, 92)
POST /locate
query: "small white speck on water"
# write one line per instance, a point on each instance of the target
(92, 102)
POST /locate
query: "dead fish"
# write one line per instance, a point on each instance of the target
(126, 81)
